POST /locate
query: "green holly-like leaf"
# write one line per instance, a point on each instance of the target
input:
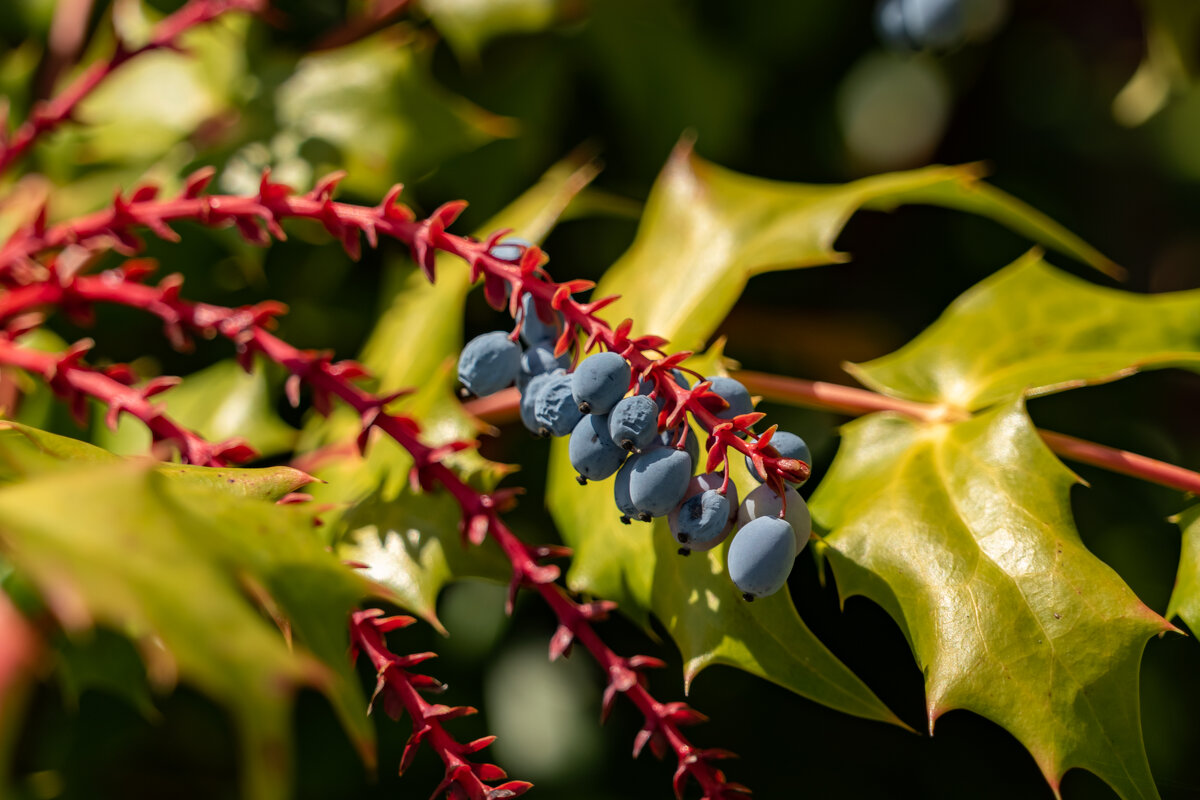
(1031, 328)
(707, 230)
(377, 102)
(412, 543)
(1185, 598)
(27, 452)
(469, 24)
(962, 531)
(219, 402)
(187, 572)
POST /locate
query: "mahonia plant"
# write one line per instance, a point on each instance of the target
(673, 431)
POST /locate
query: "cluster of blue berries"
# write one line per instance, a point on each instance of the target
(613, 424)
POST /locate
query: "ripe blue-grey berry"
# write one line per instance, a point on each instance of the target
(599, 382)
(488, 363)
(788, 445)
(555, 408)
(633, 422)
(658, 480)
(510, 248)
(621, 494)
(533, 329)
(734, 394)
(529, 397)
(539, 357)
(705, 517)
(691, 444)
(591, 449)
(763, 502)
(935, 24)
(761, 556)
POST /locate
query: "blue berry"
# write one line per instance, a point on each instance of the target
(591, 449)
(788, 445)
(555, 408)
(633, 422)
(658, 480)
(763, 502)
(539, 358)
(691, 445)
(488, 363)
(705, 517)
(529, 397)
(761, 556)
(734, 394)
(600, 381)
(936, 24)
(510, 248)
(621, 493)
(533, 330)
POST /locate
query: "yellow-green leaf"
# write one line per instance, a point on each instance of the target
(707, 230)
(1185, 598)
(963, 532)
(187, 572)
(1170, 63)
(1033, 329)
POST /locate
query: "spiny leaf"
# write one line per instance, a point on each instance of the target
(637, 566)
(1185, 599)
(27, 452)
(179, 568)
(1034, 329)
(707, 230)
(963, 533)
(414, 345)
(1169, 65)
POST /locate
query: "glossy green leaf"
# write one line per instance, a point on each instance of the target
(1033, 329)
(707, 230)
(219, 402)
(376, 101)
(637, 566)
(963, 533)
(1185, 598)
(186, 572)
(415, 345)
(27, 452)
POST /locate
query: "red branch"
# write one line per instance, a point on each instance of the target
(166, 35)
(480, 513)
(401, 688)
(75, 383)
(257, 219)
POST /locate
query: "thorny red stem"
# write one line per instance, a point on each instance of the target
(165, 36)
(481, 513)
(400, 689)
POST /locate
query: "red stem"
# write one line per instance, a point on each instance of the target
(855, 401)
(166, 34)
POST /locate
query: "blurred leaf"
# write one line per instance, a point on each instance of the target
(21, 650)
(414, 344)
(105, 661)
(1170, 63)
(219, 402)
(468, 24)
(707, 230)
(1185, 598)
(27, 452)
(637, 566)
(186, 572)
(963, 533)
(1033, 329)
(376, 101)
